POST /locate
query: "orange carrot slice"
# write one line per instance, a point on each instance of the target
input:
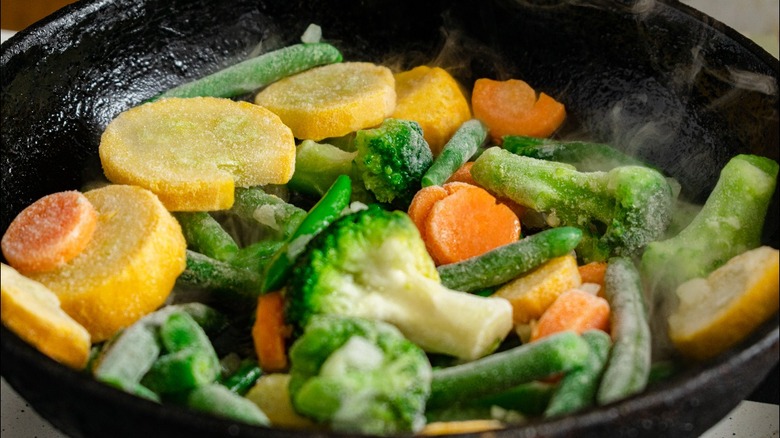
(463, 174)
(270, 333)
(422, 203)
(49, 232)
(511, 107)
(467, 223)
(573, 310)
(593, 272)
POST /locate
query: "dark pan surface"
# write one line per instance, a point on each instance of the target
(653, 77)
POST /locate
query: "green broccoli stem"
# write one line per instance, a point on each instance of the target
(619, 211)
(458, 150)
(504, 263)
(628, 367)
(558, 353)
(327, 209)
(317, 165)
(730, 223)
(442, 320)
(577, 389)
(585, 156)
(254, 73)
(205, 235)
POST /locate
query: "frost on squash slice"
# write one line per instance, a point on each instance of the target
(193, 152)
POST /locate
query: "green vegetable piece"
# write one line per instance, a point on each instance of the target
(217, 400)
(256, 256)
(242, 380)
(327, 210)
(210, 274)
(577, 389)
(277, 218)
(180, 331)
(125, 359)
(585, 156)
(205, 235)
(730, 223)
(373, 264)
(628, 367)
(528, 398)
(619, 211)
(462, 146)
(558, 353)
(254, 73)
(317, 165)
(392, 159)
(506, 262)
(359, 376)
(180, 371)
(190, 359)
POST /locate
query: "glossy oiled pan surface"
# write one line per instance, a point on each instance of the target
(655, 78)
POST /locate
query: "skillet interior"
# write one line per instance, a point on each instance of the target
(654, 78)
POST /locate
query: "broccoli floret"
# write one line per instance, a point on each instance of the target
(389, 162)
(359, 376)
(730, 223)
(619, 211)
(373, 264)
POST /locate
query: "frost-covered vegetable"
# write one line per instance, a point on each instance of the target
(373, 264)
(730, 223)
(389, 161)
(359, 376)
(619, 211)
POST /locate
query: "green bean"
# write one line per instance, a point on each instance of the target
(220, 401)
(181, 370)
(462, 146)
(205, 235)
(327, 210)
(577, 389)
(628, 367)
(254, 73)
(207, 273)
(585, 156)
(125, 359)
(509, 261)
(244, 377)
(554, 354)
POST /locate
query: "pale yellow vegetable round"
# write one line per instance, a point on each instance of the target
(33, 312)
(332, 100)
(129, 267)
(433, 98)
(193, 152)
(717, 312)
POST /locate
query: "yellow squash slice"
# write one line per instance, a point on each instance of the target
(33, 312)
(332, 100)
(431, 97)
(717, 312)
(193, 152)
(129, 267)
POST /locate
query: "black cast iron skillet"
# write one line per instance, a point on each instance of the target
(656, 78)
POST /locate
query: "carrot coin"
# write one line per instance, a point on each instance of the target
(49, 232)
(467, 223)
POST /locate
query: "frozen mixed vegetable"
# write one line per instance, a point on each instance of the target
(360, 250)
